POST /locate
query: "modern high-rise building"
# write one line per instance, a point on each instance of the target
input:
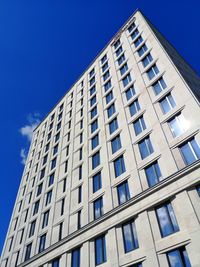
(112, 177)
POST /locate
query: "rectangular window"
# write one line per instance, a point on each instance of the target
(152, 72)
(131, 27)
(58, 126)
(142, 50)
(53, 163)
(107, 85)
(60, 116)
(55, 263)
(103, 60)
(92, 90)
(45, 219)
(119, 51)
(94, 126)
(95, 141)
(198, 189)
(177, 125)
(39, 189)
(92, 72)
(113, 126)
(62, 206)
(130, 92)
(57, 137)
(134, 34)
(48, 197)
(145, 147)
(75, 258)
(119, 166)
(178, 258)
(92, 81)
(166, 219)
(109, 97)
(104, 67)
(190, 151)
(106, 76)
(123, 69)
(79, 219)
(146, 60)
(138, 41)
(32, 228)
(80, 172)
(28, 252)
(159, 86)
(134, 107)
(153, 174)
(95, 160)
(80, 153)
(139, 125)
(117, 44)
(93, 100)
(93, 112)
(36, 207)
(55, 149)
(100, 250)
(129, 236)
(126, 80)
(97, 183)
(44, 159)
(167, 103)
(111, 110)
(98, 208)
(42, 243)
(123, 192)
(116, 144)
(81, 138)
(121, 59)
(42, 173)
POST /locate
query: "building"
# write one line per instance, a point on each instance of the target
(112, 177)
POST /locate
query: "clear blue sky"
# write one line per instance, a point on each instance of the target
(44, 47)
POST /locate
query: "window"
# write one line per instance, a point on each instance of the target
(119, 166)
(131, 27)
(103, 60)
(92, 90)
(79, 219)
(92, 72)
(92, 81)
(190, 151)
(28, 252)
(62, 206)
(97, 183)
(47, 147)
(126, 80)
(42, 173)
(80, 153)
(116, 144)
(111, 110)
(134, 107)
(142, 50)
(145, 147)
(117, 44)
(129, 236)
(178, 258)
(166, 219)
(81, 124)
(159, 86)
(100, 250)
(95, 160)
(153, 174)
(39, 189)
(45, 219)
(79, 194)
(36, 207)
(123, 192)
(93, 112)
(152, 72)
(44, 159)
(42, 243)
(198, 189)
(55, 149)
(75, 258)
(146, 60)
(53, 163)
(119, 51)
(60, 231)
(81, 138)
(80, 172)
(57, 137)
(167, 103)
(106, 76)
(93, 100)
(121, 59)
(55, 263)
(134, 34)
(177, 125)
(123, 69)
(130, 92)
(138, 41)
(98, 208)
(58, 126)
(107, 85)
(109, 97)
(95, 141)
(104, 67)
(139, 125)
(32, 228)
(94, 126)
(113, 126)
(48, 197)
(60, 116)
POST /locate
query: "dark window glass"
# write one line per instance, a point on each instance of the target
(116, 144)
(139, 125)
(117, 44)
(130, 92)
(106, 75)
(53, 163)
(48, 197)
(55, 149)
(39, 189)
(107, 85)
(111, 110)
(45, 219)
(130, 236)
(152, 72)
(100, 250)
(103, 60)
(153, 174)
(190, 151)
(146, 60)
(28, 252)
(97, 183)
(159, 86)
(36, 207)
(134, 107)
(92, 90)
(113, 126)
(123, 69)
(119, 51)
(93, 100)
(138, 41)
(75, 258)
(123, 192)
(131, 27)
(178, 258)
(95, 141)
(134, 34)
(119, 166)
(94, 126)
(167, 103)
(55, 263)
(145, 148)
(121, 59)
(95, 160)
(126, 80)
(109, 97)
(98, 208)
(42, 243)
(93, 112)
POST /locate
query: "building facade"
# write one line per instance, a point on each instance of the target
(112, 177)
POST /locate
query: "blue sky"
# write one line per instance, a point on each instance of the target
(44, 47)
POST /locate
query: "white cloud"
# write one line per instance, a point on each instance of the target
(27, 132)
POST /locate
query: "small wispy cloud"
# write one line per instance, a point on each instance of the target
(27, 131)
